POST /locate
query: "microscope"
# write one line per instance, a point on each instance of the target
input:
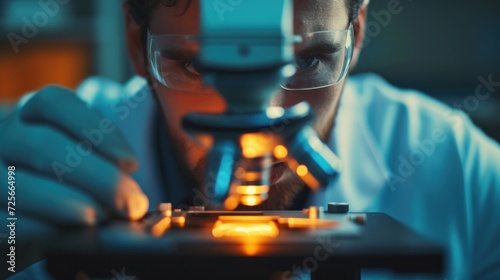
(247, 59)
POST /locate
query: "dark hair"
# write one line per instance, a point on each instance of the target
(142, 10)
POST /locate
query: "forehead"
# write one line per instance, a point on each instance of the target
(309, 15)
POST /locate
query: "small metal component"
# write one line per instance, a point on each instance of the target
(178, 221)
(315, 212)
(358, 219)
(160, 227)
(164, 208)
(196, 208)
(338, 207)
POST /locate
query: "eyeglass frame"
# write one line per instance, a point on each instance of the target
(347, 60)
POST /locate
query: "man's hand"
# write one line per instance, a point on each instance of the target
(63, 178)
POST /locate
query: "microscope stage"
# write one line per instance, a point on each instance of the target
(246, 245)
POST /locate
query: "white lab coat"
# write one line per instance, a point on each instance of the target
(403, 153)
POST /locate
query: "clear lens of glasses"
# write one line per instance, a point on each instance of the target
(321, 59)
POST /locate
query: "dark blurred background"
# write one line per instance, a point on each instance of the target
(437, 47)
(440, 48)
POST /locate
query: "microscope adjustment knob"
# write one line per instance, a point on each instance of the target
(338, 207)
(164, 208)
(315, 212)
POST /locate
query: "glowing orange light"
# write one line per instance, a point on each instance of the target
(249, 152)
(280, 152)
(179, 221)
(251, 200)
(231, 202)
(245, 226)
(251, 145)
(251, 176)
(251, 247)
(252, 189)
(307, 223)
(160, 227)
(302, 170)
(303, 173)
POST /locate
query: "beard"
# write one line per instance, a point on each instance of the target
(284, 192)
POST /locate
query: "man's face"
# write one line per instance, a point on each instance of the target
(309, 16)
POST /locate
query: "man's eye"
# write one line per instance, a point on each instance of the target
(306, 61)
(189, 66)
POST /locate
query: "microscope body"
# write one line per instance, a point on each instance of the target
(245, 59)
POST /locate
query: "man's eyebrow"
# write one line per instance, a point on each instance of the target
(322, 47)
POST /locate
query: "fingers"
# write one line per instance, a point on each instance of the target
(55, 203)
(63, 110)
(47, 201)
(65, 162)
